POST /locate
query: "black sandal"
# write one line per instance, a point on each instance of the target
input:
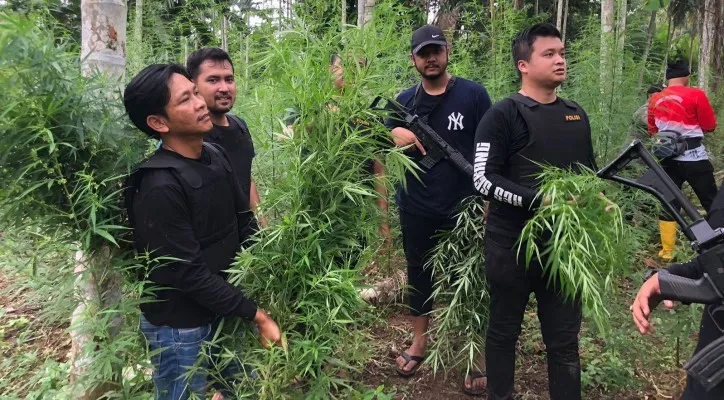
(473, 376)
(408, 358)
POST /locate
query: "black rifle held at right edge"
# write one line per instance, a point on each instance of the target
(436, 147)
(707, 365)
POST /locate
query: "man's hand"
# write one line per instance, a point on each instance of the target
(268, 329)
(404, 137)
(647, 299)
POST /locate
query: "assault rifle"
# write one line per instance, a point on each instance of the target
(436, 147)
(707, 366)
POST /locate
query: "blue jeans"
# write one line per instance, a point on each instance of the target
(178, 369)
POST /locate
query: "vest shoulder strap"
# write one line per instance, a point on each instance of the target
(218, 152)
(570, 104)
(163, 160)
(242, 124)
(523, 100)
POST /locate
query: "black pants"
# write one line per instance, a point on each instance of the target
(419, 238)
(510, 284)
(699, 174)
(708, 332)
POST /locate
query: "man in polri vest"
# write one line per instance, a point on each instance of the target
(519, 134)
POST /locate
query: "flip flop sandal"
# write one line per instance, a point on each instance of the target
(408, 358)
(473, 376)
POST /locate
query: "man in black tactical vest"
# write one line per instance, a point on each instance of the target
(453, 106)
(212, 71)
(517, 135)
(185, 205)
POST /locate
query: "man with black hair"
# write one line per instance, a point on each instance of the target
(686, 113)
(188, 212)
(531, 128)
(453, 107)
(212, 71)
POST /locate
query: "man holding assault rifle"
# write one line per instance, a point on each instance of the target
(452, 107)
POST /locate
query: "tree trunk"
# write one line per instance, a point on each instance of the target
(706, 44)
(344, 13)
(98, 287)
(647, 47)
(103, 37)
(225, 33)
(448, 22)
(537, 9)
(607, 42)
(718, 49)
(621, 11)
(559, 15)
(565, 22)
(669, 35)
(364, 12)
(138, 23)
(518, 4)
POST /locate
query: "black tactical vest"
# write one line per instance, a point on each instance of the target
(216, 209)
(561, 139)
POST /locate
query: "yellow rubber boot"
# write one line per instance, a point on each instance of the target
(667, 229)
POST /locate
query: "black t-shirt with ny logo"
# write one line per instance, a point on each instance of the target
(455, 118)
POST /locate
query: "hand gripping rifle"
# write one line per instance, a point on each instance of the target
(436, 147)
(707, 366)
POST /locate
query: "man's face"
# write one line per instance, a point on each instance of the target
(431, 61)
(547, 65)
(186, 112)
(217, 85)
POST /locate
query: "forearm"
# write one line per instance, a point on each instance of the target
(254, 199)
(689, 269)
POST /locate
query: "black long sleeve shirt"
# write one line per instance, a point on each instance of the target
(189, 285)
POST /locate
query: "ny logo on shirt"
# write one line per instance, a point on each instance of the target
(455, 122)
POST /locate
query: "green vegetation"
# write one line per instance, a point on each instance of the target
(66, 148)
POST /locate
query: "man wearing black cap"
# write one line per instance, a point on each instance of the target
(453, 107)
(685, 113)
(531, 128)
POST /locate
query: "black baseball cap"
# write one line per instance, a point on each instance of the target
(427, 34)
(678, 69)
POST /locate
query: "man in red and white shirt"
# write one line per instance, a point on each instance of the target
(687, 112)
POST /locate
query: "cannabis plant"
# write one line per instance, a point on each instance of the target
(579, 237)
(460, 320)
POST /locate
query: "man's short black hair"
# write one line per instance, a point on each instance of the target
(522, 46)
(193, 63)
(653, 89)
(148, 93)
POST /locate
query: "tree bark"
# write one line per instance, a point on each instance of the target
(518, 4)
(565, 22)
(621, 10)
(718, 49)
(225, 33)
(647, 47)
(706, 44)
(607, 42)
(98, 287)
(138, 23)
(559, 15)
(103, 37)
(343, 3)
(448, 22)
(364, 12)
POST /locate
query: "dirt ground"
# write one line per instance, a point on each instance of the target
(389, 338)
